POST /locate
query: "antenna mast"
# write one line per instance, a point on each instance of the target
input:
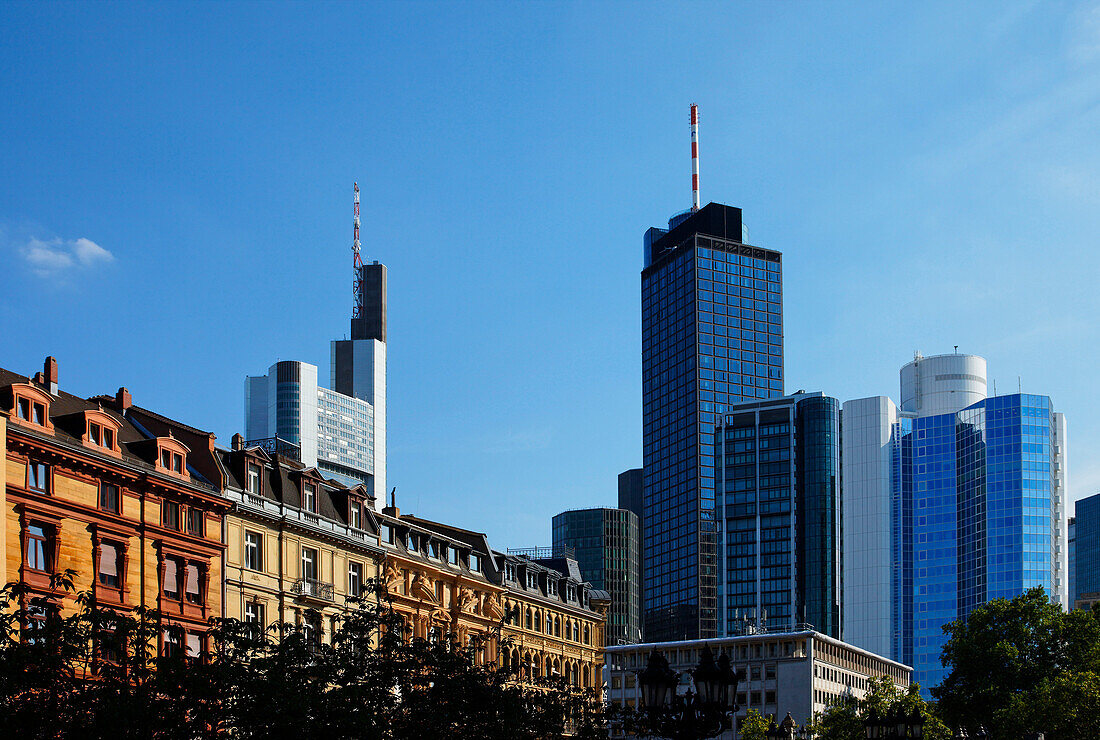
(358, 261)
(694, 157)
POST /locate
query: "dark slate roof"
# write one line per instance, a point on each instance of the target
(67, 415)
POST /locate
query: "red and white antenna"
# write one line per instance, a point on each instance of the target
(694, 157)
(358, 260)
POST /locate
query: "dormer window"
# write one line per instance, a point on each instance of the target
(309, 497)
(433, 549)
(254, 479)
(355, 513)
(475, 562)
(101, 432)
(171, 461)
(510, 572)
(532, 580)
(31, 405)
(551, 587)
(452, 556)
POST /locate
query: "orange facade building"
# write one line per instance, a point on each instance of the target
(128, 499)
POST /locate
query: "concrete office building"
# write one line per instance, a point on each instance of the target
(798, 672)
(341, 429)
(605, 545)
(712, 335)
(777, 477)
(1071, 549)
(950, 500)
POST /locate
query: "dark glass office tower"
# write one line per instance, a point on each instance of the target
(605, 542)
(778, 485)
(712, 335)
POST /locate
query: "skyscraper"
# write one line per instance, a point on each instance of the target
(778, 496)
(341, 430)
(605, 544)
(950, 501)
(712, 335)
(1087, 550)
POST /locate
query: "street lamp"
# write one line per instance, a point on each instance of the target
(697, 714)
(894, 724)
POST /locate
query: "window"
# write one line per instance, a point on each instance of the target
(551, 586)
(165, 459)
(177, 462)
(475, 562)
(171, 587)
(387, 533)
(95, 433)
(355, 514)
(254, 614)
(108, 438)
(38, 477)
(355, 579)
(170, 515)
(39, 554)
(194, 595)
(309, 497)
(254, 479)
(309, 564)
(196, 522)
(532, 580)
(194, 645)
(109, 499)
(24, 409)
(452, 556)
(538, 622)
(510, 572)
(253, 551)
(39, 416)
(433, 549)
(108, 565)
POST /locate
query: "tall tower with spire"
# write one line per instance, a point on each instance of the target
(340, 429)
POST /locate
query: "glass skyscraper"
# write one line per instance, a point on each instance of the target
(778, 496)
(951, 501)
(605, 544)
(712, 335)
(1087, 549)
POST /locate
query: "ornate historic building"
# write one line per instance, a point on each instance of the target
(554, 620)
(126, 498)
(299, 546)
(440, 579)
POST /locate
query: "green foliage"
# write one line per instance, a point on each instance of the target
(754, 726)
(369, 683)
(1023, 665)
(843, 720)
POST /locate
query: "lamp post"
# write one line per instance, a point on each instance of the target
(698, 714)
(894, 725)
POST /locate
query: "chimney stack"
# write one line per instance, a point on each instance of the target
(122, 399)
(238, 441)
(49, 374)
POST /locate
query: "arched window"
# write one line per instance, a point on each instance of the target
(576, 632)
(528, 624)
(557, 626)
(538, 624)
(587, 636)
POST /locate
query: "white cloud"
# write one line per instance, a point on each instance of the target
(58, 257)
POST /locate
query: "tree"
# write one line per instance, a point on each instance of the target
(843, 719)
(1023, 665)
(97, 673)
(754, 726)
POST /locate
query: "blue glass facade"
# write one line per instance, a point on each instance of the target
(1087, 556)
(978, 509)
(778, 473)
(712, 335)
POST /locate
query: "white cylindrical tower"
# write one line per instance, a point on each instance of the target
(942, 384)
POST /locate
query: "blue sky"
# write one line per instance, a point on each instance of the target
(175, 208)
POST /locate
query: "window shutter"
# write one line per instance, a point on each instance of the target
(171, 579)
(192, 579)
(108, 560)
(194, 645)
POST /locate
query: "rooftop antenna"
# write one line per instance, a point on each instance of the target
(357, 311)
(956, 349)
(694, 158)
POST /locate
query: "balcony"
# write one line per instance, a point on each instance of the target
(309, 588)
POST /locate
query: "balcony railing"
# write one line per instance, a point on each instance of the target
(544, 553)
(313, 589)
(276, 446)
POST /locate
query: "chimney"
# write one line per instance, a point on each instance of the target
(122, 399)
(238, 441)
(49, 374)
(392, 509)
